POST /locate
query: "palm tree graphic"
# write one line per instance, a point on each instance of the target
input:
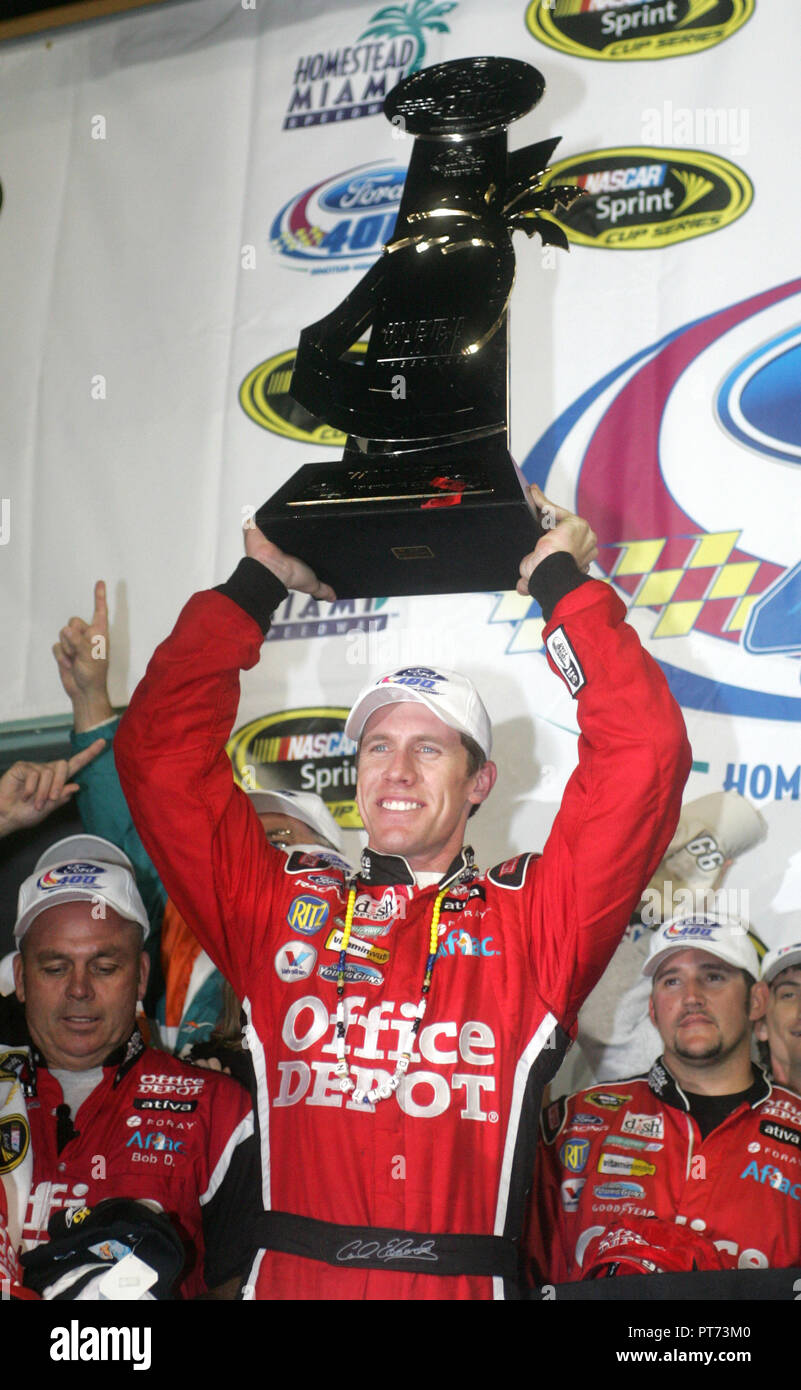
(404, 21)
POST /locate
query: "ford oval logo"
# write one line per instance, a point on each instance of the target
(365, 192)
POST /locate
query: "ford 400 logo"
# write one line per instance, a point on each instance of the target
(341, 223)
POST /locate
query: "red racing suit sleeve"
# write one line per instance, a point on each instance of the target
(621, 804)
(623, 799)
(198, 827)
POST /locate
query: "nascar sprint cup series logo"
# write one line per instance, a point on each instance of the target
(342, 84)
(643, 197)
(622, 30)
(301, 750)
(712, 582)
(341, 223)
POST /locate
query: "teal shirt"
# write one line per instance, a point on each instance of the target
(104, 811)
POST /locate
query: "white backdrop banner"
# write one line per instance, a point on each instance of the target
(184, 190)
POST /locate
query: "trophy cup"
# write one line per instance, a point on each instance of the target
(427, 498)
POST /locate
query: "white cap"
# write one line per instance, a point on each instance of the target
(81, 868)
(712, 830)
(304, 806)
(779, 959)
(718, 933)
(449, 695)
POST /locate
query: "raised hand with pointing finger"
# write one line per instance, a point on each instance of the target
(82, 656)
(31, 791)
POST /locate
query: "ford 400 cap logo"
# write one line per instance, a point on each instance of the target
(72, 874)
(419, 677)
(343, 222)
(713, 583)
(694, 927)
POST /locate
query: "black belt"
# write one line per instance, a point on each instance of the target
(383, 1247)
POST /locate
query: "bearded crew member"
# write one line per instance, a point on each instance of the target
(399, 1079)
(693, 1165)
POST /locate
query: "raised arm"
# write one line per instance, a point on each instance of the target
(83, 656)
(198, 827)
(622, 802)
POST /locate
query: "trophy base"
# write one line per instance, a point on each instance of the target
(436, 521)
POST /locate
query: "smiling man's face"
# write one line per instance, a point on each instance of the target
(414, 790)
(80, 978)
(781, 1025)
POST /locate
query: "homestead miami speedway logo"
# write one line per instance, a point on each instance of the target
(343, 84)
(644, 198)
(618, 30)
(341, 223)
(711, 577)
(300, 750)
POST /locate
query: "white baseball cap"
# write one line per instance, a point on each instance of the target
(779, 959)
(449, 695)
(304, 806)
(718, 933)
(81, 868)
(712, 831)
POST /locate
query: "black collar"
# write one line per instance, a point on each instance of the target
(381, 869)
(664, 1084)
(25, 1067)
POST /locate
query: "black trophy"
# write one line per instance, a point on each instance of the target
(427, 498)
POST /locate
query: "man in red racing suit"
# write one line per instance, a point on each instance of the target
(702, 1144)
(421, 1194)
(740, 1186)
(154, 1128)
